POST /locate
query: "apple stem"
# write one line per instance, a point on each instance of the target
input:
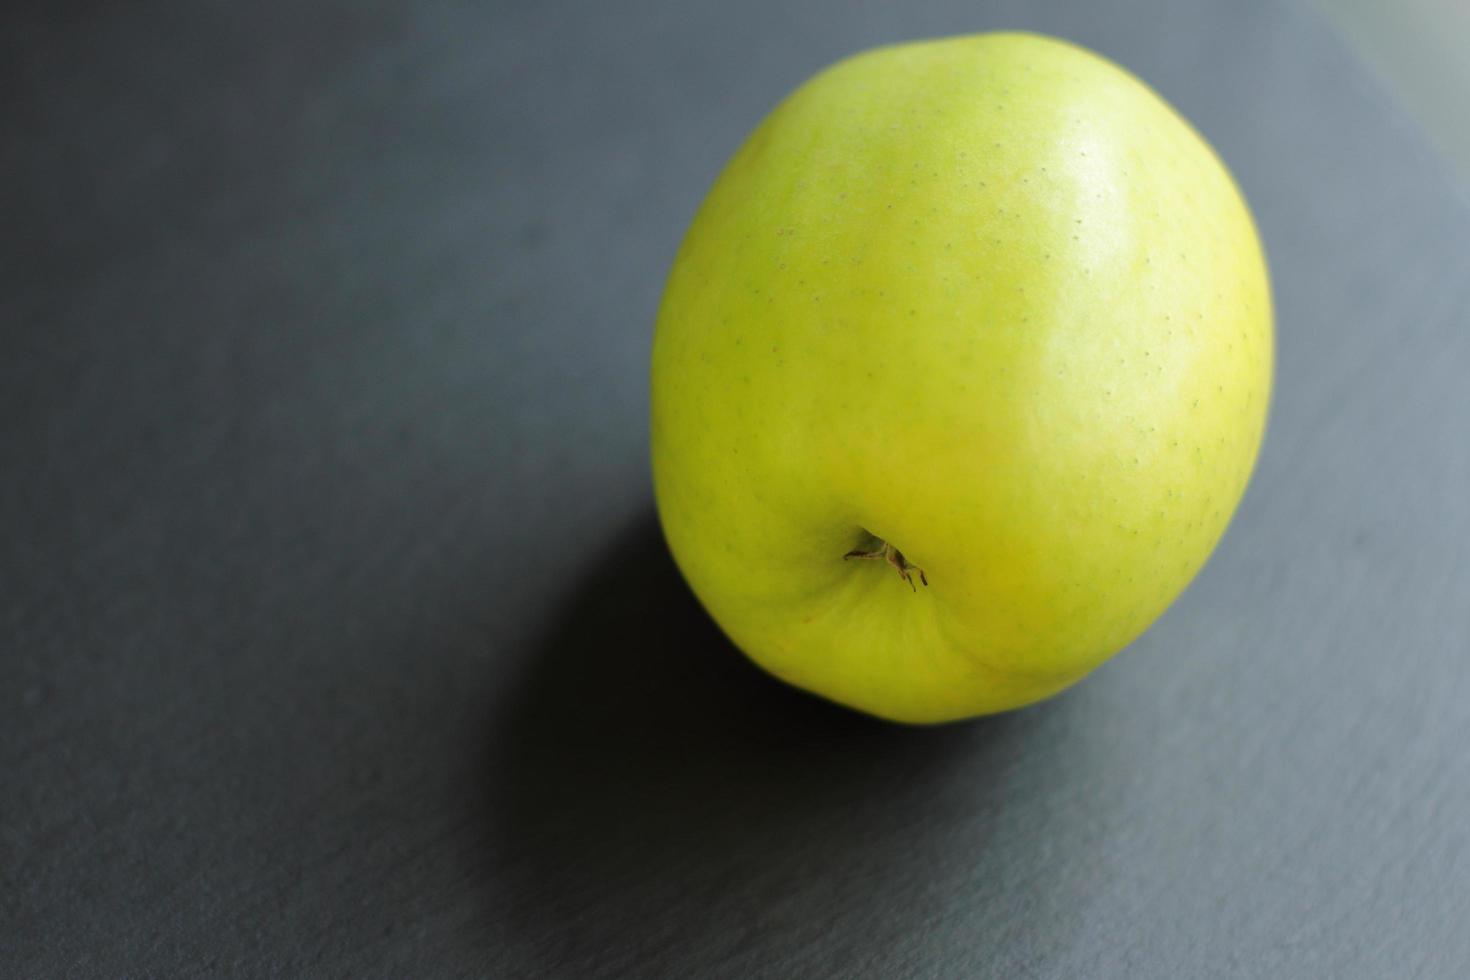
(894, 557)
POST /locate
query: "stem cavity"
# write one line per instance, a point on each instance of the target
(887, 552)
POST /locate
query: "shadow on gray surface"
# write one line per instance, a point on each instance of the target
(656, 794)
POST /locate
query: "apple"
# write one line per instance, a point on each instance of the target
(958, 376)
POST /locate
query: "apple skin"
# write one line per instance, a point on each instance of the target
(990, 300)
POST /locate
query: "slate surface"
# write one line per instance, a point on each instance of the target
(336, 636)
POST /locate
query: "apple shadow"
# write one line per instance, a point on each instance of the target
(667, 809)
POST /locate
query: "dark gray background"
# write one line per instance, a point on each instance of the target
(338, 637)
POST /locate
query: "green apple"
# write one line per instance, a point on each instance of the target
(987, 311)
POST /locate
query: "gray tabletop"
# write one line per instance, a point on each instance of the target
(338, 636)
